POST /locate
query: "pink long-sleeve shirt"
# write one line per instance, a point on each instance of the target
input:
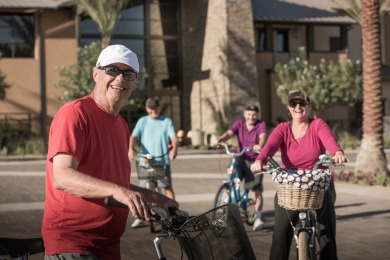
(303, 154)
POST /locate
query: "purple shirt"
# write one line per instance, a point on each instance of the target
(303, 154)
(248, 138)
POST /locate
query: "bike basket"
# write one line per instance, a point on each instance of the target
(153, 172)
(216, 234)
(294, 198)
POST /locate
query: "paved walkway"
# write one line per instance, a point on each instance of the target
(363, 212)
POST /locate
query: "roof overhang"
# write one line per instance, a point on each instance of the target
(298, 11)
(35, 4)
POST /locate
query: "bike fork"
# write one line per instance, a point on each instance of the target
(157, 245)
(305, 224)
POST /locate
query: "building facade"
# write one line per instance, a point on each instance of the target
(205, 59)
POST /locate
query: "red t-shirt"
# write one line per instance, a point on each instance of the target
(99, 142)
(300, 154)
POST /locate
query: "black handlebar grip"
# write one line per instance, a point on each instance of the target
(110, 201)
(172, 211)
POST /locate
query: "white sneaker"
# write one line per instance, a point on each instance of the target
(258, 225)
(137, 223)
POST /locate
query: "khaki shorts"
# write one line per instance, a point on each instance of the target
(163, 182)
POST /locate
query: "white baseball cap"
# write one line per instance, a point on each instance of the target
(118, 53)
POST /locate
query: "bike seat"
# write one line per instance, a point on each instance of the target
(15, 247)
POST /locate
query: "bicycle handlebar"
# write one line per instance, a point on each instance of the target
(322, 160)
(159, 215)
(226, 147)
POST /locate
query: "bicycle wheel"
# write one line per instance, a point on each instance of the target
(222, 196)
(303, 246)
(250, 213)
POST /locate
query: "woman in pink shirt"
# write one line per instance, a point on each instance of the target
(301, 141)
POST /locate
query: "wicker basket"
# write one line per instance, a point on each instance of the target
(293, 198)
(216, 234)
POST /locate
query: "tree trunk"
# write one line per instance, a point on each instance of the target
(371, 159)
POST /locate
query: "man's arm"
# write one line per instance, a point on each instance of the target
(67, 178)
(261, 143)
(132, 154)
(173, 152)
(225, 136)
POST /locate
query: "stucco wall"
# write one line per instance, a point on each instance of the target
(23, 74)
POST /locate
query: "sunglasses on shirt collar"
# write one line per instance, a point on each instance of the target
(112, 71)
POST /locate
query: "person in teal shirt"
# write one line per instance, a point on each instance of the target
(157, 137)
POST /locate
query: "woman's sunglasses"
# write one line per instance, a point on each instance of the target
(293, 104)
(128, 75)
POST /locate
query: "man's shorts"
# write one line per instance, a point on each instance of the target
(163, 182)
(72, 256)
(252, 182)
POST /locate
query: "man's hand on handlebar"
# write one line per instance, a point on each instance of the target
(138, 205)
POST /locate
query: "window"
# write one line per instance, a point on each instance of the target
(281, 42)
(261, 43)
(17, 35)
(335, 44)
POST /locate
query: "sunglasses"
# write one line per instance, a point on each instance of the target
(295, 103)
(128, 75)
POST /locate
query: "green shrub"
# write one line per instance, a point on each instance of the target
(348, 141)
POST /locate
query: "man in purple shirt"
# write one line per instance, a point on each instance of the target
(250, 132)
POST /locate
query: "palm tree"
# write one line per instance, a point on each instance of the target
(104, 13)
(353, 10)
(371, 159)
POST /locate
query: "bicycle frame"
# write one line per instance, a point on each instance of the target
(234, 186)
(306, 229)
(231, 188)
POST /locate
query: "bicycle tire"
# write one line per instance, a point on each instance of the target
(222, 196)
(303, 246)
(250, 212)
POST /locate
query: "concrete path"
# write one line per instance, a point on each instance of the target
(363, 212)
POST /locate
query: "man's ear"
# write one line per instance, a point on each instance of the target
(95, 73)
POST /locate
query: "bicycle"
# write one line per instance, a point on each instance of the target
(20, 248)
(230, 190)
(215, 234)
(302, 191)
(151, 171)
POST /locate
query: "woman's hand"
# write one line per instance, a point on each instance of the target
(257, 166)
(339, 158)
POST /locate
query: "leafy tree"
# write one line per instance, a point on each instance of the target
(328, 83)
(105, 14)
(77, 78)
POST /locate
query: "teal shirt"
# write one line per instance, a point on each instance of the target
(154, 136)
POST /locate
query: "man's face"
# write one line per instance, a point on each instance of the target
(153, 112)
(113, 90)
(250, 117)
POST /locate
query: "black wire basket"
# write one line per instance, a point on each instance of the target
(216, 234)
